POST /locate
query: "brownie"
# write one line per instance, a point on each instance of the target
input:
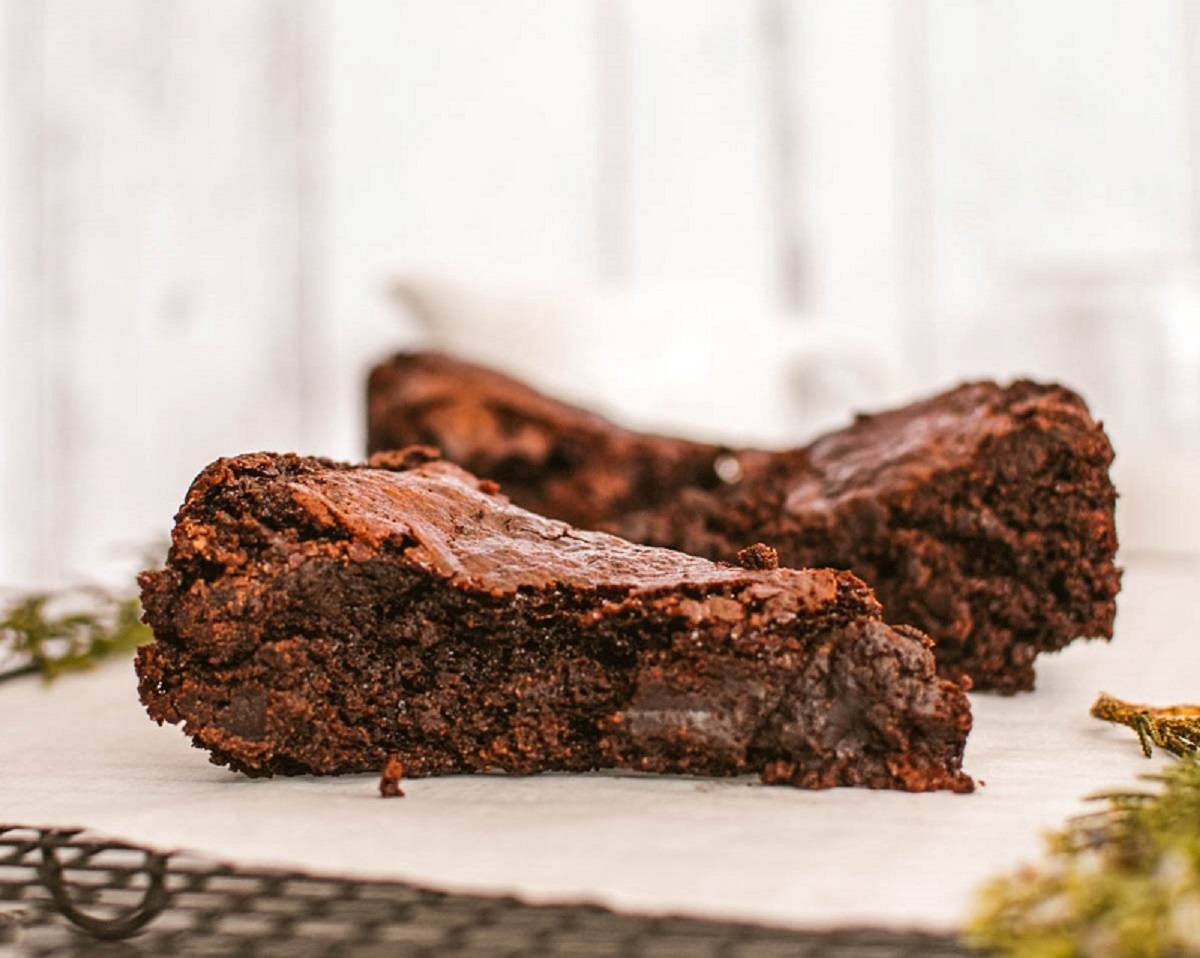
(319, 617)
(983, 515)
(551, 458)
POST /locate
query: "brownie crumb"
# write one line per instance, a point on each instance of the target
(758, 556)
(400, 460)
(389, 782)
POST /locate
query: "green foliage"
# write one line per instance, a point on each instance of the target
(1123, 881)
(93, 625)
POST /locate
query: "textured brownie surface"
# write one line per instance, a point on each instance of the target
(549, 457)
(983, 516)
(318, 617)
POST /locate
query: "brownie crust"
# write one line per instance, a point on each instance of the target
(984, 516)
(319, 617)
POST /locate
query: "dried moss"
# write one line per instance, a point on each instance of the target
(1123, 881)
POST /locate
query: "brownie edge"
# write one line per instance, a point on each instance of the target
(316, 617)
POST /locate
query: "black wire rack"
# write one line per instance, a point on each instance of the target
(64, 893)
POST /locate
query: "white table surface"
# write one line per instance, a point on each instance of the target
(81, 752)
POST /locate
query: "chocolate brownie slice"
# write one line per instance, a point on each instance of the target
(983, 516)
(320, 617)
(549, 457)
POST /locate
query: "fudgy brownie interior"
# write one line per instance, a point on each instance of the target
(318, 617)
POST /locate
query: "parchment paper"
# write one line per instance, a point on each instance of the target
(81, 752)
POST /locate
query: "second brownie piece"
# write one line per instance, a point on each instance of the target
(984, 516)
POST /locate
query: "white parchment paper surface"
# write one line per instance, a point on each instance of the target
(81, 752)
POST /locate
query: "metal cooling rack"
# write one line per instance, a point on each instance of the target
(63, 894)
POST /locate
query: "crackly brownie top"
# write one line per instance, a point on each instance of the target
(484, 418)
(878, 452)
(471, 387)
(437, 517)
(903, 447)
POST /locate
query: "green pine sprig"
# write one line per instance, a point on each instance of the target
(52, 633)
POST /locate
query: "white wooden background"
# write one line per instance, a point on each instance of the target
(198, 203)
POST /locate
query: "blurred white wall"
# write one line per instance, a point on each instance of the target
(200, 205)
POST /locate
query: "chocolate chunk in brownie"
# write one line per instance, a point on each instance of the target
(983, 516)
(319, 617)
